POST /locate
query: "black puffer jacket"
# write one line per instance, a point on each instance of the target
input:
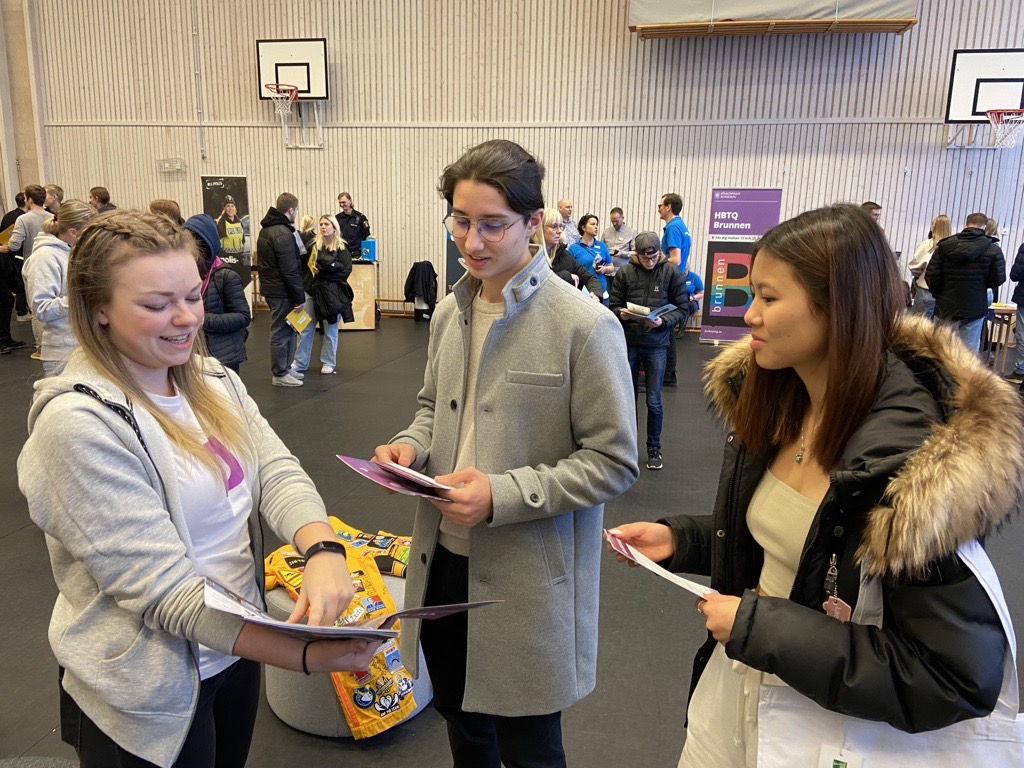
(332, 295)
(961, 270)
(915, 481)
(651, 288)
(1017, 276)
(565, 266)
(227, 316)
(277, 256)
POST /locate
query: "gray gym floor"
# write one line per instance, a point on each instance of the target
(649, 629)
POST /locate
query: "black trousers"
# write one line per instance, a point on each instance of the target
(219, 737)
(477, 740)
(6, 308)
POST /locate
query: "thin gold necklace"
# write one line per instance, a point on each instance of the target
(800, 455)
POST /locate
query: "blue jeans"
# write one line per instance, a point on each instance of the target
(653, 361)
(924, 302)
(328, 350)
(1018, 334)
(970, 332)
(282, 336)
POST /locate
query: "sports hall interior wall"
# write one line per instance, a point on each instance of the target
(616, 120)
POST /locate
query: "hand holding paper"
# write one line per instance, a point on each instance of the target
(632, 553)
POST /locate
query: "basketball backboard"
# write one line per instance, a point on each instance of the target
(300, 62)
(984, 79)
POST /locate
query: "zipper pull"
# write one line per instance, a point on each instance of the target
(831, 577)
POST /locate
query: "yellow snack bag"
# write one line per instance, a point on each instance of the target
(382, 696)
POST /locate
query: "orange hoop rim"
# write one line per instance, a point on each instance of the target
(999, 116)
(290, 92)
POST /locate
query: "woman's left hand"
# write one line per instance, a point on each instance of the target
(719, 613)
(327, 590)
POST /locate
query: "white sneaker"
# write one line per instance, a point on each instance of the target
(295, 373)
(25, 318)
(327, 369)
(286, 381)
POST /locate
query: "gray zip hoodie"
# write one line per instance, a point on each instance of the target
(130, 610)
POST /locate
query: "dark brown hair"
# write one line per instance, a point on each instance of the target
(503, 165)
(841, 258)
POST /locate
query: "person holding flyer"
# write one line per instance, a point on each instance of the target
(526, 409)
(843, 547)
(148, 467)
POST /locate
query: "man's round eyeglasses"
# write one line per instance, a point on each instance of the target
(491, 230)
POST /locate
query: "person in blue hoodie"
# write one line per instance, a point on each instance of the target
(226, 326)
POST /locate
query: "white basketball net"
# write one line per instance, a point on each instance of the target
(1006, 125)
(282, 98)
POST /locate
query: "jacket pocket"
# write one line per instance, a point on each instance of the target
(535, 379)
(551, 546)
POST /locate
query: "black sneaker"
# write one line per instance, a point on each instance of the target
(654, 459)
(7, 347)
(670, 381)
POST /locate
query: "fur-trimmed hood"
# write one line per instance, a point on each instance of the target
(961, 482)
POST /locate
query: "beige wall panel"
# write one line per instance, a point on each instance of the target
(617, 121)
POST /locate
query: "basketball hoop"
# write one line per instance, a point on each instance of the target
(282, 96)
(1006, 124)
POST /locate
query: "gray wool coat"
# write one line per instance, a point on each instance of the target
(556, 434)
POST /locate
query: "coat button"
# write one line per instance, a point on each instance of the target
(837, 531)
(423, 557)
(534, 498)
(533, 281)
(720, 533)
(454, 405)
(730, 438)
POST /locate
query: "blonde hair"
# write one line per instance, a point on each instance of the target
(942, 228)
(106, 244)
(337, 243)
(306, 223)
(73, 214)
(992, 228)
(551, 216)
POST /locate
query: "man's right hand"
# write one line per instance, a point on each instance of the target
(297, 307)
(399, 453)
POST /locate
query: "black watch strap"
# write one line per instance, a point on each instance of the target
(325, 546)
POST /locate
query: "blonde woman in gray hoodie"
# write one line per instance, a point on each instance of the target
(46, 282)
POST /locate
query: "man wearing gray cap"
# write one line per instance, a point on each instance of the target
(641, 294)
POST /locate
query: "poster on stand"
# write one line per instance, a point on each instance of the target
(738, 218)
(226, 199)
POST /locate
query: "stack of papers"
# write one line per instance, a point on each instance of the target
(221, 598)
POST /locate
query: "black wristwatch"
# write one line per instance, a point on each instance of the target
(325, 546)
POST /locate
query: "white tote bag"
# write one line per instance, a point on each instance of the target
(792, 728)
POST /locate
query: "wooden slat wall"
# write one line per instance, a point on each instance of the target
(616, 120)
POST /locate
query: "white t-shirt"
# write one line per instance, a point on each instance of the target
(216, 508)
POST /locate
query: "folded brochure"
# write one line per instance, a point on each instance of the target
(647, 313)
(398, 478)
(298, 319)
(641, 559)
(221, 598)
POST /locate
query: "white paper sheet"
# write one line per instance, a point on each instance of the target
(641, 559)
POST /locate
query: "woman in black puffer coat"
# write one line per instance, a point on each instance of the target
(226, 325)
